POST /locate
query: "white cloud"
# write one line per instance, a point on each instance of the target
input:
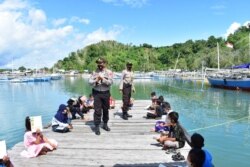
(13, 5)
(232, 28)
(218, 7)
(84, 21)
(132, 3)
(80, 20)
(58, 22)
(27, 40)
(247, 23)
(37, 17)
(102, 35)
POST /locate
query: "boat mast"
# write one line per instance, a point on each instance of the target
(176, 61)
(12, 66)
(218, 59)
(248, 25)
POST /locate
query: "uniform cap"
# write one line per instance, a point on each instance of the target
(100, 60)
(129, 64)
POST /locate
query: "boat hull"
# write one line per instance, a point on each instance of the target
(243, 84)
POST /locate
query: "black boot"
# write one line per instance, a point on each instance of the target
(129, 116)
(105, 127)
(125, 116)
(97, 130)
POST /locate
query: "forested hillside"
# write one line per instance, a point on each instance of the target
(188, 56)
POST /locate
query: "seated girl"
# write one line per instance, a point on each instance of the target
(163, 126)
(153, 99)
(78, 106)
(61, 122)
(74, 108)
(82, 103)
(157, 113)
(36, 143)
(176, 136)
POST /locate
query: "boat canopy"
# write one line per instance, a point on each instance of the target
(242, 66)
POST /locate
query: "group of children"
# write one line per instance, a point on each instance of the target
(75, 108)
(158, 108)
(173, 136)
(37, 144)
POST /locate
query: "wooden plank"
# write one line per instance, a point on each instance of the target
(129, 143)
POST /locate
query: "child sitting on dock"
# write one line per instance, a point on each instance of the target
(197, 142)
(158, 111)
(196, 158)
(74, 108)
(61, 122)
(153, 100)
(176, 136)
(78, 106)
(163, 126)
(82, 103)
(36, 143)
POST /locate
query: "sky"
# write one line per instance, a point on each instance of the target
(38, 33)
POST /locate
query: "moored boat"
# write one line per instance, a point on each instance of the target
(55, 76)
(236, 78)
(230, 83)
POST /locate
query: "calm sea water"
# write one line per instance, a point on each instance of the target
(221, 116)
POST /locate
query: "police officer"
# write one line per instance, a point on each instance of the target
(101, 80)
(126, 87)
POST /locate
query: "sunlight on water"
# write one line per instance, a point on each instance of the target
(221, 116)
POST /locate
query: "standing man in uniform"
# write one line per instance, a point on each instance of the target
(101, 80)
(126, 87)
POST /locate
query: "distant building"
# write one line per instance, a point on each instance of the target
(229, 45)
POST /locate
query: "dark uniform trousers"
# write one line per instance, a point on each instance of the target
(101, 106)
(126, 95)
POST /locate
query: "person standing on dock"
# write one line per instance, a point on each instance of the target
(101, 80)
(126, 87)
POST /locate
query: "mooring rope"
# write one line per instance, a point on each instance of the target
(220, 124)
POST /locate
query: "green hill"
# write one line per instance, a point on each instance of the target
(145, 57)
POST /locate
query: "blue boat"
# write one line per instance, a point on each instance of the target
(230, 83)
(238, 79)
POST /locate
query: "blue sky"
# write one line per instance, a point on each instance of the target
(37, 33)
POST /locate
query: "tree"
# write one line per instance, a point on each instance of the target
(22, 68)
(211, 42)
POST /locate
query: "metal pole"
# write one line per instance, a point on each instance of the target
(176, 62)
(218, 52)
(202, 74)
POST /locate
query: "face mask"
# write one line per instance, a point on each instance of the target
(100, 67)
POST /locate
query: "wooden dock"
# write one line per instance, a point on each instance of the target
(129, 143)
